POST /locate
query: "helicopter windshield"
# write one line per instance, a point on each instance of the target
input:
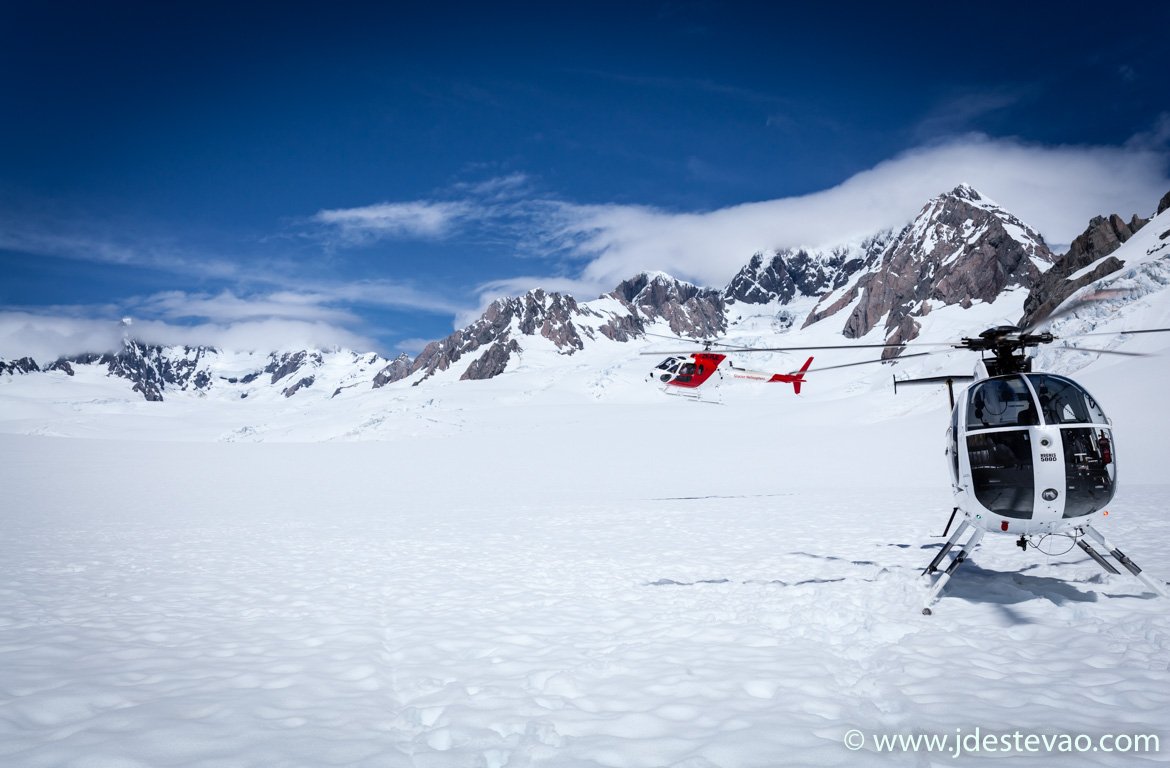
(1063, 401)
(1000, 402)
(668, 364)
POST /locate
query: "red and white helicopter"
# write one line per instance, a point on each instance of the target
(684, 373)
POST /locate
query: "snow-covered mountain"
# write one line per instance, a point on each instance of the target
(155, 371)
(962, 250)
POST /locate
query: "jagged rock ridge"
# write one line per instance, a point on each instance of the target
(1071, 271)
(961, 248)
(781, 276)
(495, 338)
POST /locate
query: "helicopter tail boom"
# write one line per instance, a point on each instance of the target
(795, 378)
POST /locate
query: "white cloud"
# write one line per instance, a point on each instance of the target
(227, 307)
(383, 293)
(324, 316)
(45, 337)
(418, 219)
(1054, 189)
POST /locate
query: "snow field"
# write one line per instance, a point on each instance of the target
(369, 604)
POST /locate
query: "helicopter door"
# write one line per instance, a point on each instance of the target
(1000, 413)
(1087, 473)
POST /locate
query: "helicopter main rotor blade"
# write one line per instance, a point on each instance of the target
(1104, 351)
(869, 362)
(845, 346)
(704, 342)
(1116, 333)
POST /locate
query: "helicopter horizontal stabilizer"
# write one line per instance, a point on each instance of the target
(933, 380)
(798, 378)
(948, 380)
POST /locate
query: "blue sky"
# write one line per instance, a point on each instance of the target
(368, 175)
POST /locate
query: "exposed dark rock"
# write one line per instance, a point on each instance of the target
(61, 365)
(291, 362)
(304, 383)
(537, 313)
(1164, 203)
(623, 327)
(493, 362)
(1103, 236)
(787, 274)
(23, 365)
(688, 309)
(398, 369)
(151, 368)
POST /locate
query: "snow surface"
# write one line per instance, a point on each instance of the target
(562, 567)
(568, 591)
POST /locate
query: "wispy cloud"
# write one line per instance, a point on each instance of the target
(962, 112)
(228, 307)
(62, 239)
(1157, 138)
(418, 219)
(327, 316)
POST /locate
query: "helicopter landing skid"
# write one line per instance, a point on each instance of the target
(1119, 556)
(964, 550)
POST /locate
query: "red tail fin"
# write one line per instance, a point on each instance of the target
(800, 376)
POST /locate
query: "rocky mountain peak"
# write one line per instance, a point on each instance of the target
(152, 368)
(688, 309)
(961, 248)
(781, 276)
(398, 369)
(966, 192)
(537, 313)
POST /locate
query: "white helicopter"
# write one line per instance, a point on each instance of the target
(1030, 454)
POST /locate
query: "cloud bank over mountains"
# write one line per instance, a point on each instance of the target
(580, 248)
(1055, 189)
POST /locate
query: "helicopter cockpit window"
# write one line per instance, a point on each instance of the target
(668, 364)
(1000, 402)
(1063, 401)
